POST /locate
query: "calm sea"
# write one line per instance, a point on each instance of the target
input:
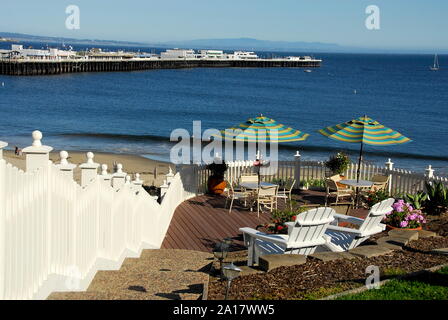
(135, 112)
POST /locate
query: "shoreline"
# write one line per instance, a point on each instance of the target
(152, 172)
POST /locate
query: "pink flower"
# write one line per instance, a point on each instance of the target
(403, 224)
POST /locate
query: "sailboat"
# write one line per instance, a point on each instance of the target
(436, 64)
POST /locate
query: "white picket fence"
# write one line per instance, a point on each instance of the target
(401, 180)
(55, 235)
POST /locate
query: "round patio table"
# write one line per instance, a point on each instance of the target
(255, 185)
(358, 185)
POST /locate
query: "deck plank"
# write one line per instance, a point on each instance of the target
(199, 223)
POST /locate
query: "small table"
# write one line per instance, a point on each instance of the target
(358, 185)
(255, 185)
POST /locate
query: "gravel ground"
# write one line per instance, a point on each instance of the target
(316, 279)
(438, 224)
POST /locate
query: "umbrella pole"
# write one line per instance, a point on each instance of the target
(358, 173)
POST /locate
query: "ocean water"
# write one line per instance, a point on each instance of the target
(135, 112)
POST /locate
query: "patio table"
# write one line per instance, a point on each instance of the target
(255, 185)
(358, 185)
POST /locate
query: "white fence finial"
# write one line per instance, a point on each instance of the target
(64, 156)
(90, 156)
(2, 145)
(37, 138)
(169, 176)
(37, 155)
(389, 164)
(104, 169)
(297, 155)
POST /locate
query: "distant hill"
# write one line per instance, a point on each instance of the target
(33, 38)
(255, 44)
(224, 44)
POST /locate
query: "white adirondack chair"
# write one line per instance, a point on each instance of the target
(304, 236)
(343, 239)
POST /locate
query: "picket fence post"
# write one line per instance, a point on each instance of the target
(137, 182)
(297, 168)
(37, 155)
(105, 176)
(118, 178)
(89, 170)
(389, 166)
(64, 166)
(429, 172)
(2, 145)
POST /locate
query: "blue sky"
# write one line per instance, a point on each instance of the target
(414, 24)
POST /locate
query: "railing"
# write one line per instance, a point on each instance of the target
(401, 181)
(55, 234)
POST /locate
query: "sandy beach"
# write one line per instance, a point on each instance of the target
(152, 172)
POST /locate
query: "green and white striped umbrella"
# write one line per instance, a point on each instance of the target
(364, 130)
(263, 129)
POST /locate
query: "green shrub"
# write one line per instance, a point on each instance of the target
(437, 200)
(416, 200)
(373, 197)
(318, 183)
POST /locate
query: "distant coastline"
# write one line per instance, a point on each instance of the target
(242, 43)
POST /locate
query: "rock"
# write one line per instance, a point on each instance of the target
(426, 234)
(189, 296)
(330, 256)
(272, 261)
(443, 251)
(403, 233)
(393, 243)
(370, 251)
(245, 270)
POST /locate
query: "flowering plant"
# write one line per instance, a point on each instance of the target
(374, 197)
(404, 216)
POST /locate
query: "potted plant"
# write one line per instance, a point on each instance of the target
(216, 183)
(338, 163)
(404, 216)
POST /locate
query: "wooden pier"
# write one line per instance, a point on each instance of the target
(39, 67)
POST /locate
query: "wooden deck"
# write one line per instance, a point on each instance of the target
(201, 222)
